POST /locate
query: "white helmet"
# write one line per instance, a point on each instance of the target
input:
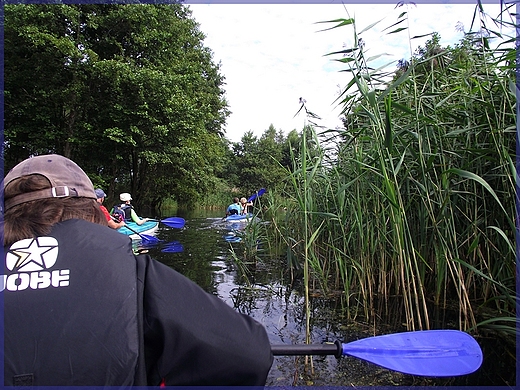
(125, 196)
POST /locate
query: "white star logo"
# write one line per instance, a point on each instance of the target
(32, 254)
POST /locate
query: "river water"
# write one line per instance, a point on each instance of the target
(201, 252)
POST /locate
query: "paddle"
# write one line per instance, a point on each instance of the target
(260, 192)
(144, 237)
(173, 222)
(427, 353)
(147, 239)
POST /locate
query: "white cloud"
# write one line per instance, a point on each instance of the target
(273, 54)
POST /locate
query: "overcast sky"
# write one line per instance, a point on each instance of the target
(272, 54)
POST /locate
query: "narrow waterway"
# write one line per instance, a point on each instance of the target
(201, 252)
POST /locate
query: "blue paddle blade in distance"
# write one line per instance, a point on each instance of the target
(254, 196)
(174, 222)
(437, 353)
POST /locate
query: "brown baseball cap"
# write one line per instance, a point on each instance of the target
(66, 177)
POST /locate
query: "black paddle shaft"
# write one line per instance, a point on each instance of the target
(307, 349)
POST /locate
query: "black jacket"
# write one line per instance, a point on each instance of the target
(81, 309)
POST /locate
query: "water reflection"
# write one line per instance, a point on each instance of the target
(265, 295)
(269, 296)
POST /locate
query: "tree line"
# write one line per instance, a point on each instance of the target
(132, 95)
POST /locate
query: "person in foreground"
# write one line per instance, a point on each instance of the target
(100, 194)
(81, 309)
(127, 210)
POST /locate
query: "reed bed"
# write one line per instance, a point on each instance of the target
(413, 201)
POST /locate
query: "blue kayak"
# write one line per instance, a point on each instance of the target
(147, 228)
(238, 218)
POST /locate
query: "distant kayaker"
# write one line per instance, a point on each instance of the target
(129, 213)
(244, 204)
(80, 309)
(234, 208)
(100, 199)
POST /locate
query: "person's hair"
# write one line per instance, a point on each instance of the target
(235, 200)
(36, 218)
(243, 200)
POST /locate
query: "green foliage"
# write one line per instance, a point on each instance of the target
(417, 198)
(129, 92)
(259, 162)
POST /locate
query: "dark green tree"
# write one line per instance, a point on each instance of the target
(258, 162)
(127, 91)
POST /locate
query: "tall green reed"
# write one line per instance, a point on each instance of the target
(438, 156)
(412, 201)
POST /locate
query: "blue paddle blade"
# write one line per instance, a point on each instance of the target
(174, 222)
(148, 240)
(436, 353)
(145, 238)
(254, 196)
